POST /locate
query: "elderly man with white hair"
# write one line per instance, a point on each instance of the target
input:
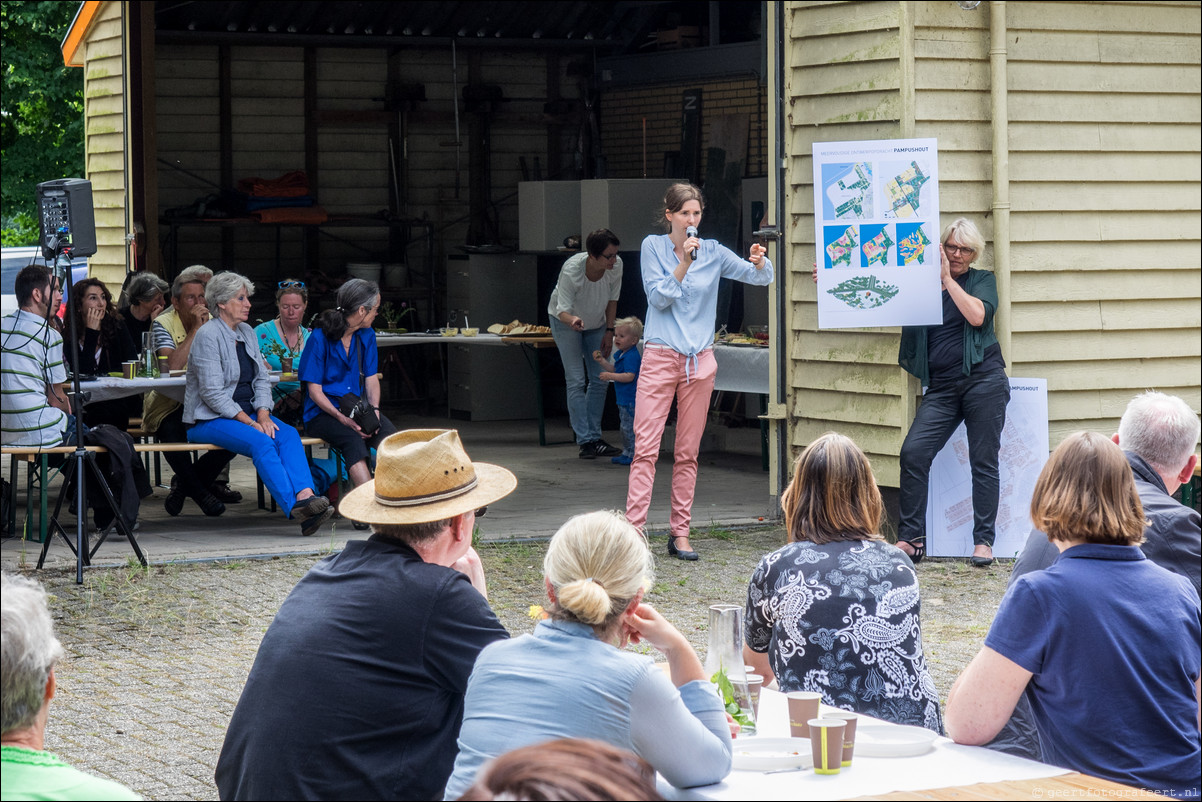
(30, 652)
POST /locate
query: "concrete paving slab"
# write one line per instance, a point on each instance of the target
(553, 485)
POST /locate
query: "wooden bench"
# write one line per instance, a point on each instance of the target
(38, 459)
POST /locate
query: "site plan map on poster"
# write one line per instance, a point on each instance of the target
(876, 225)
(1023, 454)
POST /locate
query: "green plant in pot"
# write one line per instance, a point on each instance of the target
(393, 316)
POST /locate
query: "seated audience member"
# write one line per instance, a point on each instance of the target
(1106, 644)
(1157, 433)
(145, 296)
(572, 679)
(570, 768)
(227, 401)
(174, 332)
(104, 344)
(357, 689)
(283, 338)
(34, 408)
(340, 361)
(836, 611)
(30, 652)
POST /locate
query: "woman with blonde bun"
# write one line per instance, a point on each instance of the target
(571, 678)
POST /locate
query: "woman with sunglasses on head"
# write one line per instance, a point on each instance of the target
(960, 364)
(338, 367)
(288, 334)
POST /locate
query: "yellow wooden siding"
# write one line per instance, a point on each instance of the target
(1105, 233)
(842, 82)
(1104, 163)
(104, 143)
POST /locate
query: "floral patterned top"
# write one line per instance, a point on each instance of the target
(842, 619)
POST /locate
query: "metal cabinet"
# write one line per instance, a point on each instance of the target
(483, 382)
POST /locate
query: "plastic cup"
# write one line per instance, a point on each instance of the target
(448, 331)
(470, 332)
(754, 683)
(826, 744)
(803, 706)
(849, 735)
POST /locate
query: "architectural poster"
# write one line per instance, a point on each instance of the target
(876, 225)
(1023, 454)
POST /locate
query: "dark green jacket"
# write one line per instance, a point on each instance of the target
(912, 354)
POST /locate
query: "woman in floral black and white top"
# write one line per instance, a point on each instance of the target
(836, 610)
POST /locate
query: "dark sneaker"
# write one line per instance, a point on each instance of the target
(587, 451)
(208, 504)
(225, 494)
(174, 503)
(309, 526)
(604, 449)
(310, 507)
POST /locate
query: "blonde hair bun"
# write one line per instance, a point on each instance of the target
(597, 563)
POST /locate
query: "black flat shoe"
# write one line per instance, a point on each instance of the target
(680, 554)
(309, 526)
(981, 562)
(920, 549)
(309, 507)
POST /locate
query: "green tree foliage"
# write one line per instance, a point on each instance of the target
(41, 110)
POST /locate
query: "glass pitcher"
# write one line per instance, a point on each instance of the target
(725, 653)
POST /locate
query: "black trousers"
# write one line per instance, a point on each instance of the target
(191, 477)
(980, 402)
(348, 441)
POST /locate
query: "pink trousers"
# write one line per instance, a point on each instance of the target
(662, 376)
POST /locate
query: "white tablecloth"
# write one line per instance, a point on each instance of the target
(949, 764)
(741, 370)
(392, 340)
(108, 387)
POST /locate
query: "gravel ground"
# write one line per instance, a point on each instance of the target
(156, 659)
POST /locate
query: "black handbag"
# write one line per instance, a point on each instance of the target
(357, 408)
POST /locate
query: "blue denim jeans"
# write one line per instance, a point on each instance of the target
(980, 402)
(626, 415)
(586, 391)
(280, 460)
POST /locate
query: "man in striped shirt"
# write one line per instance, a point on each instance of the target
(34, 408)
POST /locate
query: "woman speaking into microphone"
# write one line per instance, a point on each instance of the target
(680, 276)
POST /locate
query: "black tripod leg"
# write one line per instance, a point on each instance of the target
(54, 525)
(118, 518)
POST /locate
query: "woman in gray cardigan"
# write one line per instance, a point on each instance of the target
(227, 402)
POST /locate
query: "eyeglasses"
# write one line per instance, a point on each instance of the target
(288, 282)
(957, 248)
(480, 513)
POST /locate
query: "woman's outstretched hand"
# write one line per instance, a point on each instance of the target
(757, 255)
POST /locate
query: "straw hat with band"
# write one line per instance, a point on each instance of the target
(424, 475)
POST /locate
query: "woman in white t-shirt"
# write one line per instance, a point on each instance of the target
(583, 306)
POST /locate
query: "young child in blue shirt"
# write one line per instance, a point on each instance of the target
(624, 373)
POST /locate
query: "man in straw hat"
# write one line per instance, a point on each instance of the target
(357, 689)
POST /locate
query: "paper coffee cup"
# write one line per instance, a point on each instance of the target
(826, 744)
(849, 734)
(129, 369)
(803, 706)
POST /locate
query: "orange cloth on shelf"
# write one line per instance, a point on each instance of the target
(289, 185)
(310, 215)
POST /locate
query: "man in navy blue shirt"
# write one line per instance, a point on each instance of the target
(357, 689)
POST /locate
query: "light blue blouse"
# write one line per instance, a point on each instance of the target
(562, 682)
(681, 314)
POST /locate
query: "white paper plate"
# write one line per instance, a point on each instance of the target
(764, 754)
(893, 741)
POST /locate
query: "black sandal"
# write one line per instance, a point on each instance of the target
(920, 549)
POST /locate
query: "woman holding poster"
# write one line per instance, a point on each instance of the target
(960, 364)
(680, 275)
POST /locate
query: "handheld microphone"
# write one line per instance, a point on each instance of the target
(691, 231)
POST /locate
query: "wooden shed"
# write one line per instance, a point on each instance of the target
(1069, 131)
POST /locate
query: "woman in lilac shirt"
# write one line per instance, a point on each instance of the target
(680, 277)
